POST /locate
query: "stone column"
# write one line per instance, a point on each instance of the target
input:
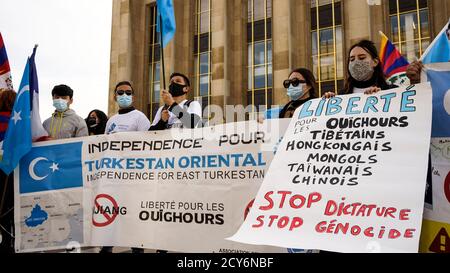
(139, 48)
(219, 47)
(237, 51)
(281, 36)
(439, 15)
(356, 23)
(128, 50)
(378, 21)
(182, 60)
(119, 62)
(300, 43)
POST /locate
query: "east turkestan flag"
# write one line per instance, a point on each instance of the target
(439, 50)
(20, 134)
(166, 16)
(437, 71)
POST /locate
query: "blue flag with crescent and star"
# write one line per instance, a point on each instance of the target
(17, 142)
(54, 167)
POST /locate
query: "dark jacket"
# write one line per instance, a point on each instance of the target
(292, 106)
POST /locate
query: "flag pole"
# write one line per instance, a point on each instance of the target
(162, 52)
(2, 201)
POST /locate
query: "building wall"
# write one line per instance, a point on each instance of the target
(291, 37)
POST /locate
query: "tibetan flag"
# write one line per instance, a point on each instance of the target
(394, 64)
(5, 71)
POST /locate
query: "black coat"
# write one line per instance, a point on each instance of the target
(292, 106)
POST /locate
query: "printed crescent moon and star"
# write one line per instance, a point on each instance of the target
(447, 102)
(17, 115)
(31, 169)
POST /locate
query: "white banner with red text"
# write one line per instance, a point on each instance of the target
(349, 175)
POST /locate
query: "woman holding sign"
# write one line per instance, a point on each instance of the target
(364, 71)
(301, 87)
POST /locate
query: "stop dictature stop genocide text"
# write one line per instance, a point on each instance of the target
(288, 200)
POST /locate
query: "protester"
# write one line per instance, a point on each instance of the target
(7, 98)
(64, 122)
(128, 119)
(301, 87)
(96, 122)
(177, 112)
(364, 71)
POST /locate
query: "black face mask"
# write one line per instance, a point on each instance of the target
(176, 90)
(92, 122)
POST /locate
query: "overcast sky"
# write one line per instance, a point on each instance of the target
(74, 38)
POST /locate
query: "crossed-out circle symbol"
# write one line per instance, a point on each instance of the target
(109, 218)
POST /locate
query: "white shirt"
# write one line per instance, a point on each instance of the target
(134, 121)
(174, 122)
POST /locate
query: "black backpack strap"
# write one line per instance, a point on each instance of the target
(188, 103)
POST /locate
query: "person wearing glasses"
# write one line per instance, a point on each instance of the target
(300, 87)
(128, 119)
(64, 122)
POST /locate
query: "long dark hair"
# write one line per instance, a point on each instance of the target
(100, 128)
(378, 74)
(7, 98)
(309, 78)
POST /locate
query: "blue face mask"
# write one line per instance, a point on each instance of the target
(124, 101)
(294, 93)
(60, 105)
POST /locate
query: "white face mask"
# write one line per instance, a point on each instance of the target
(124, 101)
(61, 105)
(294, 93)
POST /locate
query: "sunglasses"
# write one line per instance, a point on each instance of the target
(121, 92)
(294, 82)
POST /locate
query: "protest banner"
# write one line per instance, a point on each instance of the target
(349, 176)
(178, 190)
